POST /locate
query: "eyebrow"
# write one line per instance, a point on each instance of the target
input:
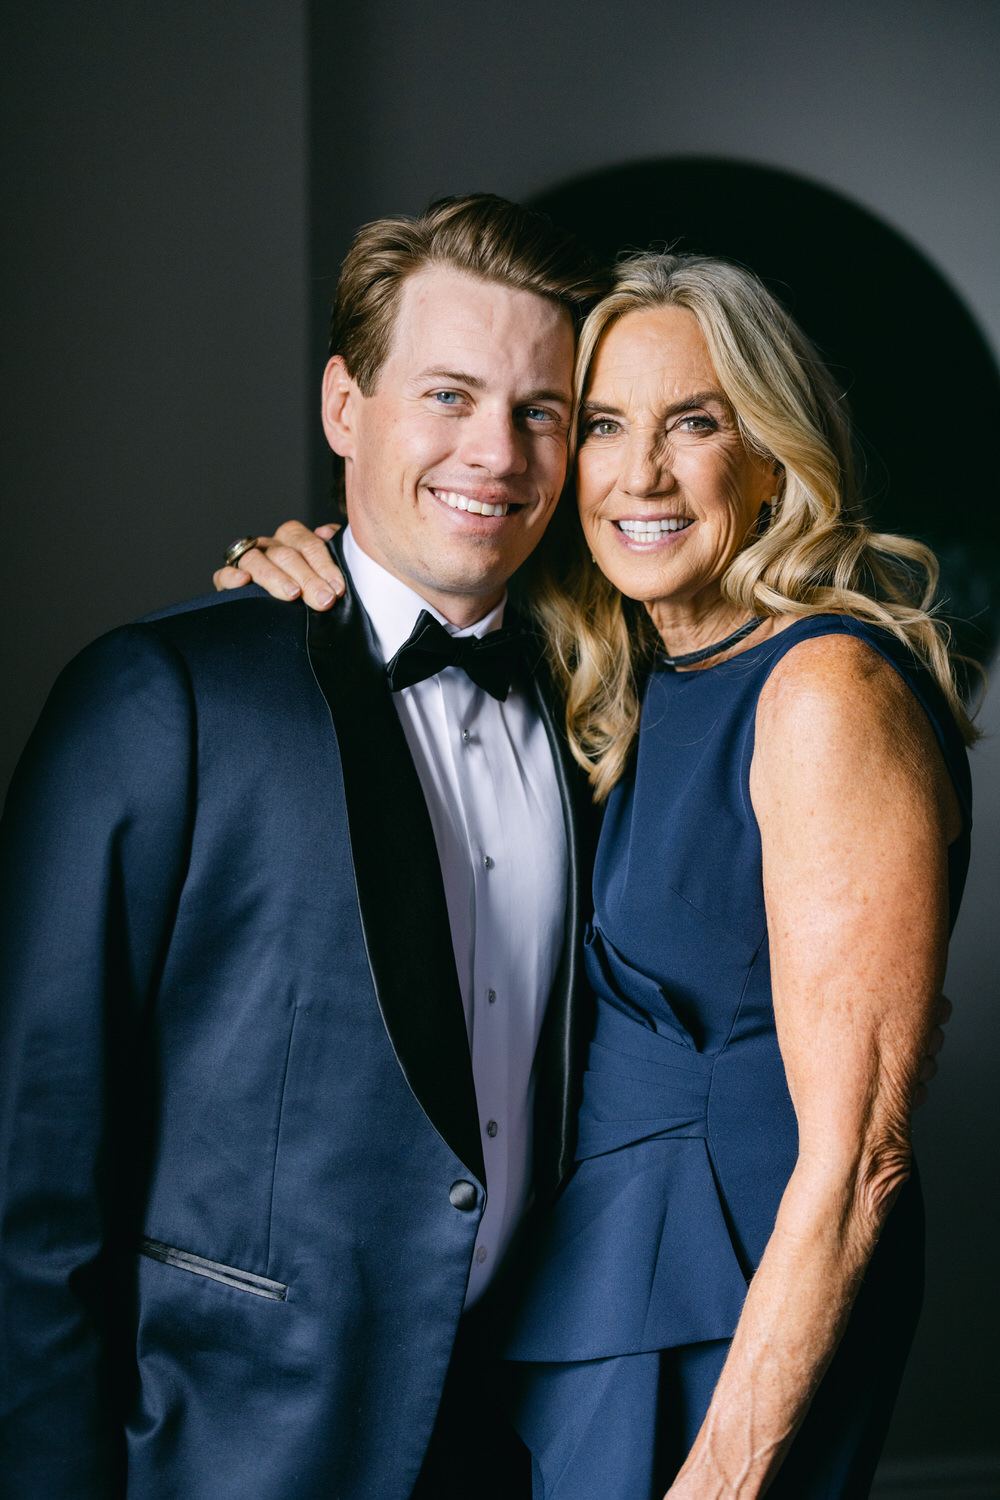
(460, 377)
(700, 398)
(563, 396)
(476, 383)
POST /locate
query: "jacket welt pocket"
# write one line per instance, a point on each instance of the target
(246, 1281)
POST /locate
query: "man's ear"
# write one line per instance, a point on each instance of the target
(339, 400)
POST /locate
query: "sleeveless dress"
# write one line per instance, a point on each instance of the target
(687, 1135)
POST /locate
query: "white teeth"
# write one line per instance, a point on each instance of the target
(647, 531)
(474, 507)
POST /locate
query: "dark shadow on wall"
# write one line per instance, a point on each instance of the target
(922, 384)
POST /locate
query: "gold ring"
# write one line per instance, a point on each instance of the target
(236, 549)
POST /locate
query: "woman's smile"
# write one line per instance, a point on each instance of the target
(652, 531)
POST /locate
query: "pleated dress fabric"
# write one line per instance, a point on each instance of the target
(687, 1135)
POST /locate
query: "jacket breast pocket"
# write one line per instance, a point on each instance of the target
(245, 1281)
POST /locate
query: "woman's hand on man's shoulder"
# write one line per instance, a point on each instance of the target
(294, 563)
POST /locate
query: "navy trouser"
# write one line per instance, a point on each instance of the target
(474, 1449)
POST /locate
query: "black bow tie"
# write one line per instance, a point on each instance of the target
(490, 660)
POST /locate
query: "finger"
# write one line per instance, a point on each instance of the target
(318, 589)
(256, 564)
(328, 530)
(312, 547)
(935, 1042)
(305, 557)
(229, 578)
(921, 1094)
(944, 1011)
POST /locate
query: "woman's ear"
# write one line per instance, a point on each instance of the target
(339, 398)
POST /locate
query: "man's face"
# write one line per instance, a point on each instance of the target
(455, 462)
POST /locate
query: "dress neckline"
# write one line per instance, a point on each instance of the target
(683, 674)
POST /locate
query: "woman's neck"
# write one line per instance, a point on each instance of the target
(687, 631)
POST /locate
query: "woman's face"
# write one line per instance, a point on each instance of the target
(667, 489)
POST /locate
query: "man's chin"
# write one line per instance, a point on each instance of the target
(465, 586)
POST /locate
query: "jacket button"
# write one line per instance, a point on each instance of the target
(463, 1195)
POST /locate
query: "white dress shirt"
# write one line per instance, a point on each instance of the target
(488, 777)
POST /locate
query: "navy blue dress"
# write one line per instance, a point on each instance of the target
(687, 1132)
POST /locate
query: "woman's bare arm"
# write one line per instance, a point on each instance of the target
(856, 810)
(292, 563)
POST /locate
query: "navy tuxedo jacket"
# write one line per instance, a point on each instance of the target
(237, 1099)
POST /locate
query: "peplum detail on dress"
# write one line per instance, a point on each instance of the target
(638, 1235)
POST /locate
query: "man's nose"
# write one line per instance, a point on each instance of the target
(493, 441)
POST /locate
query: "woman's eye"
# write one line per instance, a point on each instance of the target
(695, 422)
(601, 427)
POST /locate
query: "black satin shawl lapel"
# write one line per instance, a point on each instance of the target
(401, 897)
(565, 1037)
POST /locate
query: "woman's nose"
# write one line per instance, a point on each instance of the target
(647, 469)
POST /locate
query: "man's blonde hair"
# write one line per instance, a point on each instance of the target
(480, 234)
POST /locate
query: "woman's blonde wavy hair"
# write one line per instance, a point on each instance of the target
(813, 556)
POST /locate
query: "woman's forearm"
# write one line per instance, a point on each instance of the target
(795, 1314)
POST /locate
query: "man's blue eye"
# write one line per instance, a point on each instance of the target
(446, 398)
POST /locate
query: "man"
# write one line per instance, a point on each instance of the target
(288, 948)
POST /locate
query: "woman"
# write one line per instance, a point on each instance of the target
(754, 686)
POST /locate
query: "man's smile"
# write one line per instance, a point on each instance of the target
(459, 500)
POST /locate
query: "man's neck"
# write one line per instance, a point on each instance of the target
(393, 604)
(460, 610)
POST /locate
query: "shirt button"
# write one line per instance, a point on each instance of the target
(465, 736)
(491, 996)
(488, 861)
(481, 1254)
(491, 1128)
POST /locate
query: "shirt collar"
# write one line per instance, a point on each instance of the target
(393, 607)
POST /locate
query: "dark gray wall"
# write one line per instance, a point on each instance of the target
(155, 309)
(165, 339)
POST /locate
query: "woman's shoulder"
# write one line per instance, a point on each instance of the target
(824, 666)
(841, 648)
(822, 673)
(816, 665)
(791, 631)
(843, 690)
(841, 656)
